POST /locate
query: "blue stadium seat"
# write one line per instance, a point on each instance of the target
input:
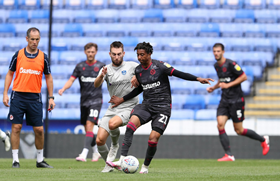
(129, 43)
(5, 59)
(77, 4)
(161, 30)
(156, 42)
(229, 4)
(249, 4)
(178, 100)
(153, 16)
(57, 4)
(4, 113)
(29, 5)
(207, 58)
(140, 4)
(14, 44)
(62, 16)
(93, 30)
(185, 29)
(206, 114)
(249, 72)
(266, 16)
(2, 16)
(272, 4)
(7, 30)
(131, 56)
(244, 16)
(221, 16)
(18, 16)
(71, 57)
(138, 30)
(72, 30)
(272, 30)
(200, 89)
(254, 31)
(83, 16)
(209, 30)
(175, 15)
(194, 102)
(210, 4)
(131, 16)
(106, 16)
(65, 113)
(106, 98)
(213, 102)
(231, 30)
(174, 44)
(8, 4)
(183, 58)
(163, 4)
(102, 112)
(39, 16)
(246, 87)
(119, 4)
(197, 44)
(116, 30)
(192, 4)
(73, 101)
(182, 114)
(181, 87)
(93, 4)
(241, 44)
(198, 15)
(60, 45)
(263, 45)
(253, 60)
(54, 57)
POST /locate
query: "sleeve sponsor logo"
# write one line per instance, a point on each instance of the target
(237, 67)
(167, 65)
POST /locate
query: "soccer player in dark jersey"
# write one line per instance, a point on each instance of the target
(91, 97)
(152, 76)
(232, 101)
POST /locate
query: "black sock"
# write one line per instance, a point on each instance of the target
(93, 143)
(252, 134)
(152, 148)
(225, 141)
(130, 129)
(88, 139)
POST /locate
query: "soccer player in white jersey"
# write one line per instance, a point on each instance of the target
(119, 76)
(6, 139)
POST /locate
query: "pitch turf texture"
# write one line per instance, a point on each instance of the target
(160, 170)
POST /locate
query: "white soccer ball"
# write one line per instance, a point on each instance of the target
(130, 164)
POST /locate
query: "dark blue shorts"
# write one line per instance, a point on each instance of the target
(33, 112)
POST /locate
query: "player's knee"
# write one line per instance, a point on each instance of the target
(99, 141)
(39, 131)
(16, 128)
(112, 125)
(238, 131)
(220, 126)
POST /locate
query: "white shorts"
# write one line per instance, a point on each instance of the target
(124, 114)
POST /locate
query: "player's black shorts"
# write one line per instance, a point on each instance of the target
(90, 113)
(235, 111)
(33, 112)
(145, 114)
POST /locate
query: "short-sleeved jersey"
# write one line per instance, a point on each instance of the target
(155, 83)
(118, 82)
(87, 74)
(228, 72)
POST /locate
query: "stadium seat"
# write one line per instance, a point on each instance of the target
(209, 30)
(185, 29)
(191, 4)
(163, 4)
(161, 30)
(65, 113)
(221, 16)
(153, 16)
(200, 89)
(263, 45)
(246, 87)
(14, 44)
(18, 16)
(198, 16)
(244, 16)
(197, 45)
(4, 113)
(73, 101)
(29, 5)
(182, 114)
(207, 58)
(62, 16)
(177, 101)
(60, 45)
(8, 4)
(3, 15)
(139, 29)
(83, 16)
(106, 16)
(213, 101)
(272, 4)
(39, 16)
(210, 4)
(266, 16)
(194, 102)
(175, 15)
(131, 16)
(71, 57)
(181, 87)
(72, 30)
(231, 30)
(57, 4)
(106, 98)
(119, 4)
(140, 4)
(183, 58)
(102, 112)
(5, 59)
(259, 4)
(249, 72)
(272, 30)
(93, 4)
(54, 57)
(229, 4)
(254, 31)
(241, 44)
(116, 30)
(174, 44)
(129, 43)
(206, 114)
(77, 4)
(7, 30)
(92, 30)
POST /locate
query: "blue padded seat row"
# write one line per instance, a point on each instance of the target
(206, 114)
(182, 114)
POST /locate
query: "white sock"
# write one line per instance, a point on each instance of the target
(15, 155)
(94, 149)
(40, 155)
(84, 153)
(2, 135)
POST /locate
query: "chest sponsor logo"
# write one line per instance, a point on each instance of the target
(226, 79)
(87, 79)
(29, 71)
(152, 72)
(150, 86)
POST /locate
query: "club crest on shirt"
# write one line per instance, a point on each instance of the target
(237, 67)
(124, 72)
(152, 72)
(167, 65)
(96, 69)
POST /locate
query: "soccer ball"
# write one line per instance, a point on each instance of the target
(130, 164)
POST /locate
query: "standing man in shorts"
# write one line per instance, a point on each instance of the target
(29, 64)
(232, 102)
(91, 98)
(118, 76)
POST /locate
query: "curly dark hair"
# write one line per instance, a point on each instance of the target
(145, 46)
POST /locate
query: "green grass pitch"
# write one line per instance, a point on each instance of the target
(160, 170)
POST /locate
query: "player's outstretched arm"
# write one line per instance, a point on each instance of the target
(205, 80)
(211, 89)
(237, 81)
(187, 76)
(67, 85)
(99, 79)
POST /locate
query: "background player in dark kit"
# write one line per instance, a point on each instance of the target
(232, 101)
(91, 97)
(152, 76)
